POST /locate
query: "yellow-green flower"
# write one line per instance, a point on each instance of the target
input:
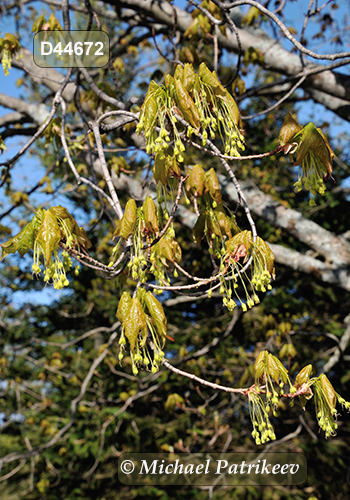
(9, 46)
(262, 428)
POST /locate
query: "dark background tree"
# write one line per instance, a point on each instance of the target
(69, 410)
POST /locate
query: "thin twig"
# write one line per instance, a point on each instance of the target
(283, 28)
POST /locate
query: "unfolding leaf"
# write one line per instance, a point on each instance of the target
(169, 83)
(149, 109)
(238, 84)
(232, 109)
(179, 72)
(156, 311)
(273, 368)
(252, 15)
(213, 227)
(134, 323)
(260, 365)
(263, 251)
(195, 180)
(328, 391)
(150, 214)
(210, 78)
(165, 251)
(161, 167)
(288, 130)
(49, 235)
(123, 306)
(186, 105)
(127, 223)
(173, 166)
(234, 226)
(212, 185)
(83, 238)
(223, 220)
(67, 221)
(243, 238)
(312, 139)
(172, 401)
(189, 77)
(288, 350)
(12, 42)
(303, 376)
(283, 372)
(21, 243)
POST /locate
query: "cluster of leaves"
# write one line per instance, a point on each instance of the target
(9, 46)
(313, 154)
(201, 100)
(45, 234)
(227, 242)
(143, 225)
(271, 376)
(41, 24)
(138, 315)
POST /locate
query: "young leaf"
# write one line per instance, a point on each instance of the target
(49, 235)
(328, 391)
(123, 306)
(156, 311)
(189, 77)
(303, 376)
(260, 365)
(128, 222)
(22, 242)
(134, 323)
(312, 139)
(212, 185)
(223, 220)
(195, 181)
(161, 168)
(150, 214)
(243, 238)
(264, 252)
(186, 105)
(288, 130)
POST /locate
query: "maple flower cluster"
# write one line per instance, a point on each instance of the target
(47, 231)
(313, 154)
(141, 317)
(201, 100)
(238, 247)
(9, 46)
(271, 374)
